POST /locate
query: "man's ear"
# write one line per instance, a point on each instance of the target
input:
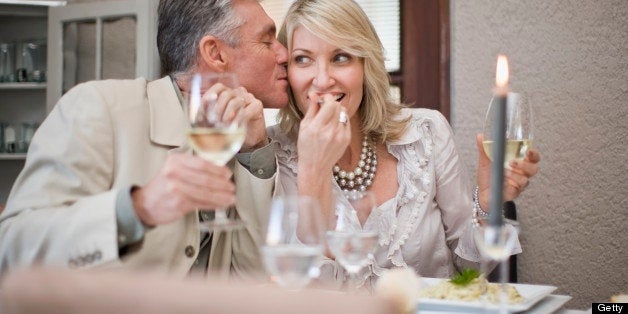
(212, 54)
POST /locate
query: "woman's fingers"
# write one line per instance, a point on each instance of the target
(524, 167)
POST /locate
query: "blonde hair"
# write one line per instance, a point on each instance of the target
(343, 23)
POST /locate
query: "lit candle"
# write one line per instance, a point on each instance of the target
(499, 140)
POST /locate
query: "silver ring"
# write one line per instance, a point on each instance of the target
(343, 118)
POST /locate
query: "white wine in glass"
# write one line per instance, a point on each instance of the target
(518, 128)
(211, 136)
(216, 144)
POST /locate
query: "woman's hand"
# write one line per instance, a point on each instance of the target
(322, 138)
(516, 179)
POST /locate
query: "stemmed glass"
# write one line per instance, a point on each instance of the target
(295, 241)
(351, 245)
(496, 243)
(518, 127)
(212, 137)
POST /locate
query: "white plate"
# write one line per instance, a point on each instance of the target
(549, 305)
(531, 294)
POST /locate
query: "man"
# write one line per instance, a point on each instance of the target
(104, 182)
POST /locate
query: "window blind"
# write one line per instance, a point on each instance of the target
(384, 14)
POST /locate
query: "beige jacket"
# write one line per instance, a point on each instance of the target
(101, 137)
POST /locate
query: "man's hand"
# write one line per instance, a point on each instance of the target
(237, 104)
(253, 114)
(183, 184)
(516, 179)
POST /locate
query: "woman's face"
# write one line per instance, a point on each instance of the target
(317, 67)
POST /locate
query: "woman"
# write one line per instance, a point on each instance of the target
(339, 108)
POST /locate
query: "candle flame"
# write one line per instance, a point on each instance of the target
(501, 74)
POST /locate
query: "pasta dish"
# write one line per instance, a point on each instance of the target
(470, 292)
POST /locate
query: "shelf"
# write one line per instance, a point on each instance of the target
(16, 11)
(22, 85)
(46, 3)
(12, 156)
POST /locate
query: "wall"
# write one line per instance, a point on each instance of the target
(571, 58)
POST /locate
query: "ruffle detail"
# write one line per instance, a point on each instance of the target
(285, 149)
(414, 182)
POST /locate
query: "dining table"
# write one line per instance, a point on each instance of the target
(59, 290)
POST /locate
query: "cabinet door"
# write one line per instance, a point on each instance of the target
(100, 40)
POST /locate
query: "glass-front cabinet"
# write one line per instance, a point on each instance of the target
(48, 46)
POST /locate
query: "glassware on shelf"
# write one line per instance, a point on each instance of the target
(28, 130)
(31, 61)
(12, 141)
(9, 139)
(7, 62)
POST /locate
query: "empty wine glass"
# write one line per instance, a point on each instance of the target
(295, 241)
(213, 137)
(351, 245)
(518, 127)
(496, 244)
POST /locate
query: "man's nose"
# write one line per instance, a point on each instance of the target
(282, 54)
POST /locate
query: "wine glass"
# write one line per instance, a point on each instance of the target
(495, 244)
(211, 136)
(518, 127)
(351, 245)
(295, 241)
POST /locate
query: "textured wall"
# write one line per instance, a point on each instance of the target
(571, 58)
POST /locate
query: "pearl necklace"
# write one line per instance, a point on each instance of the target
(362, 176)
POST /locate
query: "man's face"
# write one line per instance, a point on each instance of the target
(259, 60)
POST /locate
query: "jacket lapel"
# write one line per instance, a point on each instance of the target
(167, 118)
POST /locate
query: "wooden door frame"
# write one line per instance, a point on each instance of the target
(425, 58)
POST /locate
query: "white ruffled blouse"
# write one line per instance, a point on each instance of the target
(426, 226)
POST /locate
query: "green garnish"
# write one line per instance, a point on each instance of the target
(465, 277)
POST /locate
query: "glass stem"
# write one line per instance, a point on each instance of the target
(484, 263)
(503, 293)
(352, 286)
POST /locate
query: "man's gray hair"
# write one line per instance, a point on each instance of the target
(182, 24)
